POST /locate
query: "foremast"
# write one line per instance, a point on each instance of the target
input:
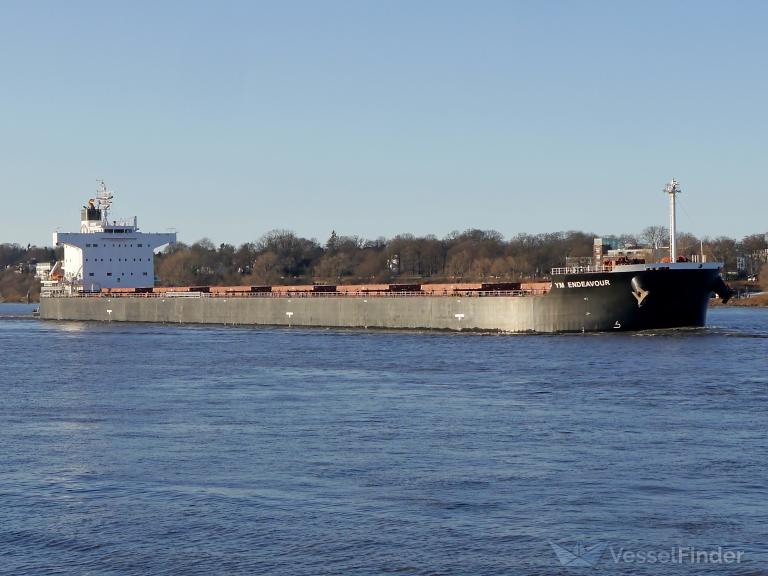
(672, 189)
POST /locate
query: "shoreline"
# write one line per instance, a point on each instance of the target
(760, 301)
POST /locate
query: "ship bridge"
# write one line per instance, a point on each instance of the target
(108, 253)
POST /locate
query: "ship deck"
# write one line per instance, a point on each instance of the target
(306, 294)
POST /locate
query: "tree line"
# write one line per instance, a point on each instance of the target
(282, 257)
(17, 277)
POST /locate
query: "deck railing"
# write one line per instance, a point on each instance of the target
(581, 269)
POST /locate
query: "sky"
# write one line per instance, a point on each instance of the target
(228, 119)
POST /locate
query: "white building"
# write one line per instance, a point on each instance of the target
(108, 254)
(42, 270)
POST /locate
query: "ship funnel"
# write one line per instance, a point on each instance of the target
(720, 288)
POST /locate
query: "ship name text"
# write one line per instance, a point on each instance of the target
(583, 284)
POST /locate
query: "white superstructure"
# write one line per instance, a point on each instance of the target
(108, 254)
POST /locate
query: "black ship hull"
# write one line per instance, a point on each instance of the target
(652, 298)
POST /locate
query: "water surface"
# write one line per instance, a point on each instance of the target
(167, 449)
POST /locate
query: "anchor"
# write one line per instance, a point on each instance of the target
(638, 292)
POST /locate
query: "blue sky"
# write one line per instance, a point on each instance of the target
(227, 119)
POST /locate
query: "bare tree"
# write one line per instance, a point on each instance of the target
(723, 249)
(688, 244)
(655, 236)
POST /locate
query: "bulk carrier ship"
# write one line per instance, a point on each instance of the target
(108, 275)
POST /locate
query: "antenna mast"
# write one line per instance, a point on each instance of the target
(672, 188)
(104, 199)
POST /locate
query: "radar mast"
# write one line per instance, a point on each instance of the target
(103, 199)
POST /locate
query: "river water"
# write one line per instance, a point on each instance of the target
(167, 449)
